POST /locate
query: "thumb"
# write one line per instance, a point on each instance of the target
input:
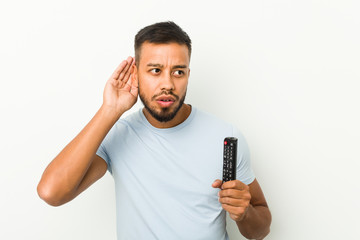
(217, 183)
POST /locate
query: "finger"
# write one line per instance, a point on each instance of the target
(237, 213)
(128, 73)
(235, 193)
(235, 202)
(130, 59)
(217, 183)
(118, 70)
(236, 184)
(134, 86)
(134, 80)
(126, 69)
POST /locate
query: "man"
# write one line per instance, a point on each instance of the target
(165, 157)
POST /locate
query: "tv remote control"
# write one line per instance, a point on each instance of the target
(230, 156)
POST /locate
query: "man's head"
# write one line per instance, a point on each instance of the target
(162, 55)
(161, 33)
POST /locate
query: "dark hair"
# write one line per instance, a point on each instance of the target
(162, 32)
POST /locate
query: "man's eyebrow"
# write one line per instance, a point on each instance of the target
(180, 66)
(161, 66)
(155, 65)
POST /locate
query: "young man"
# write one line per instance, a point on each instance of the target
(166, 159)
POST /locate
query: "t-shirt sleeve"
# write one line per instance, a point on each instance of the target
(101, 152)
(244, 172)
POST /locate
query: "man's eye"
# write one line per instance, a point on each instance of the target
(155, 70)
(178, 73)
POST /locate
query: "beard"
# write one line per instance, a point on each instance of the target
(164, 114)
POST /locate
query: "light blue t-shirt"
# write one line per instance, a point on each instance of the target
(163, 177)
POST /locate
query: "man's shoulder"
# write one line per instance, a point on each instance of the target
(126, 122)
(131, 117)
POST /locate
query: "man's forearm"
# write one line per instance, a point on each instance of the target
(65, 172)
(256, 223)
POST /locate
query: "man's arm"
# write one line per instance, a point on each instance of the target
(247, 206)
(257, 219)
(77, 166)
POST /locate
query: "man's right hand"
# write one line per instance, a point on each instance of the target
(77, 166)
(121, 90)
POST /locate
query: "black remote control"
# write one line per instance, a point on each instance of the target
(230, 155)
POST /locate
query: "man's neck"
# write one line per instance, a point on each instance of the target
(180, 117)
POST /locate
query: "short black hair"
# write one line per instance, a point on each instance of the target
(161, 32)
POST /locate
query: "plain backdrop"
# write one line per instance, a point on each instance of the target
(284, 72)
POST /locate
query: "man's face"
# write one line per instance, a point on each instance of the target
(163, 73)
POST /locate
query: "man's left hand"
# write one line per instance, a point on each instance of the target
(234, 198)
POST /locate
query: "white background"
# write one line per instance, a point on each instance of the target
(284, 72)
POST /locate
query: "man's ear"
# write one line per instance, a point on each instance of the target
(134, 74)
(135, 69)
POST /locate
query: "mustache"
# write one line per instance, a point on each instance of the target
(165, 93)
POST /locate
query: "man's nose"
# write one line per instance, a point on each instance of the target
(167, 82)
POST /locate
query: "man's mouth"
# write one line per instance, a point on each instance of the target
(165, 101)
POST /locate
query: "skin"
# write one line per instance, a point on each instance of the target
(247, 206)
(162, 70)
